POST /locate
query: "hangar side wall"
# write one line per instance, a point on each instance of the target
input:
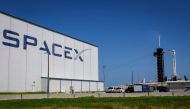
(21, 69)
(65, 86)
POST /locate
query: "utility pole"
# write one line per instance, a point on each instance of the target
(104, 73)
(132, 78)
(48, 78)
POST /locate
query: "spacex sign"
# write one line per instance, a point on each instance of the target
(31, 52)
(11, 40)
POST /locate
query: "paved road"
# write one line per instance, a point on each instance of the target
(76, 95)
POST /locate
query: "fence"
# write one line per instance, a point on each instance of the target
(98, 94)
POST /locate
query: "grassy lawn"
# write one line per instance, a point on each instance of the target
(101, 103)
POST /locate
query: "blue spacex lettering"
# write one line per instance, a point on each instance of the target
(13, 41)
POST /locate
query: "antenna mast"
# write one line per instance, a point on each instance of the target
(158, 40)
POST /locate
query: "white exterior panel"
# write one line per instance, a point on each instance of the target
(59, 62)
(69, 63)
(48, 38)
(33, 59)
(66, 86)
(94, 63)
(55, 86)
(100, 86)
(17, 75)
(4, 54)
(76, 85)
(44, 85)
(87, 62)
(78, 65)
(85, 86)
(93, 86)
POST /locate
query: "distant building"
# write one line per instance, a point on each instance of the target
(178, 85)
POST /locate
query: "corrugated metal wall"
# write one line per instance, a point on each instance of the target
(22, 69)
(77, 86)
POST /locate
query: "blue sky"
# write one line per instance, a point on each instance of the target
(125, 30)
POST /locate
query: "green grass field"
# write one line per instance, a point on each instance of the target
(100, 103)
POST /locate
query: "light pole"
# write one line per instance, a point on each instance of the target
(132, 78)
(104, 67)
(48, 78)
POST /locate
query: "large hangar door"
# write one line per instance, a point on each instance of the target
(65, 86)
(93, 86)
(76, 86)
(85, 86)
(100, 86)
(54, 85)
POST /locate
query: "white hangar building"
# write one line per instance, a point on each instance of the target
(31, 56)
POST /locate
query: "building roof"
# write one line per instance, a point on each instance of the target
(46, 28)
(178, 81)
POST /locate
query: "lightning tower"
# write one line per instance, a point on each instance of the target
(160, 61)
